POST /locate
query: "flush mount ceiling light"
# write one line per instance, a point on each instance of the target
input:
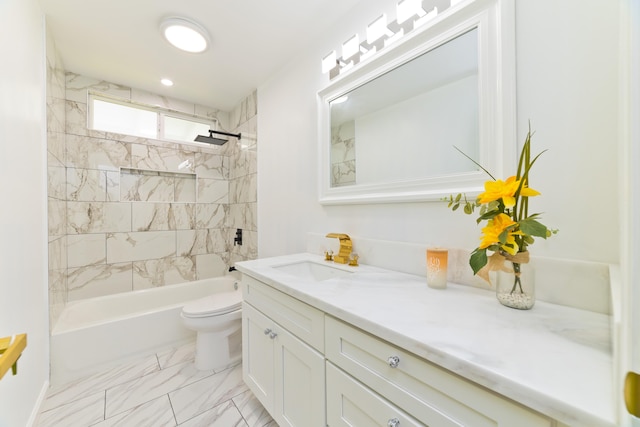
(185, 34)
(166, 82)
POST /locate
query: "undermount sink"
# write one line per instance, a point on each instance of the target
(310, 270)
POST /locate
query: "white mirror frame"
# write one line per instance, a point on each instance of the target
(495, 21)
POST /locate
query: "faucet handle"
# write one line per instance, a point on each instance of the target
(328, 255)
(340, 236)
(354, 260)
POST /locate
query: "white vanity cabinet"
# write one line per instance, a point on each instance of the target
(351, 404)
(283, 365)
(405, 384)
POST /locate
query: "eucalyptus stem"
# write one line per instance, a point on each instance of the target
(517, 282)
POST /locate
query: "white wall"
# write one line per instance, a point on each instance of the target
(23, 216)
(567, 71)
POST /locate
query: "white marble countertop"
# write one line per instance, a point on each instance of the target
(554, 359)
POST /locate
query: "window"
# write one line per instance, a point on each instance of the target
(118, 118)
(121, 116)
(180, 129)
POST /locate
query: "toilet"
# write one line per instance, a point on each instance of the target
(217, 320)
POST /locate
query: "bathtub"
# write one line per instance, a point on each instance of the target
(96, 333)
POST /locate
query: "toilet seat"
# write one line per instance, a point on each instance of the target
(214, 305)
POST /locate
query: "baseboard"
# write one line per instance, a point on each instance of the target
(36, 408)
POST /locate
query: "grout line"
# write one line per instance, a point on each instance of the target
(104, 407)
(239, 411)
(175, 418)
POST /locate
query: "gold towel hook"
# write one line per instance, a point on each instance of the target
(11, 349)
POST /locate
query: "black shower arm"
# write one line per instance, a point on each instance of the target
(211, 132)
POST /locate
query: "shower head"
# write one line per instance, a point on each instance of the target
(210, 140)
(216, 141)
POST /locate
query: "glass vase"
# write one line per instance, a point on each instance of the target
(515, 285)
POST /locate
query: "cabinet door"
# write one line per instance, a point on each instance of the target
(351, 404)
(299, 383)
(257, 355)
(302, 320)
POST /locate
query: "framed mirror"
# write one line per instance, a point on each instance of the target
(389, 128)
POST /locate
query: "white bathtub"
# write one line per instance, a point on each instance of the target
(98, 332)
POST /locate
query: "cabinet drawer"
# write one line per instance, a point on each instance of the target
(431, 394)
(351, 404)
(302, 320)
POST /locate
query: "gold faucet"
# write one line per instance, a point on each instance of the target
(345, 248)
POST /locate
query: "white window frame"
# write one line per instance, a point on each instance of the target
(161, 113)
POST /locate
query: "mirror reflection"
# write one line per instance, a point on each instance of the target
(403, 124)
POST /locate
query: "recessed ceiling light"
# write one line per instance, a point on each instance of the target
(166, 82)
(185, 34)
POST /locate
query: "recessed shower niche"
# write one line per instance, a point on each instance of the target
(156, 186)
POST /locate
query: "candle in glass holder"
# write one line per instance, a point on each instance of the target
(437, 267)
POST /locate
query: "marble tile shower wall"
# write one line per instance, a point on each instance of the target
(243, 180)
(135, 213)
(56, 182)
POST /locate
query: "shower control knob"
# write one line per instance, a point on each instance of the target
(272, 335)
(393, 422)
(267, 331)
(393, 361)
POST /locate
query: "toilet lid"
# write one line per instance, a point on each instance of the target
(218, 303)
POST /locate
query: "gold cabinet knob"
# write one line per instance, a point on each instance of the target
(631, 393)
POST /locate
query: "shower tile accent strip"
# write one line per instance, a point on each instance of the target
(163, 389)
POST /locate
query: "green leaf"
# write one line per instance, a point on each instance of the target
(458, 197)
(502, 238)
(478, 259)
(476, 163)
(468, 209)
(488, 215)
(533, 228)
(456, 206)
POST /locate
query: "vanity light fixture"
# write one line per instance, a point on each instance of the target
(350, 47)
(345, 66)
(429, 16)
(366, 53)
(378, 29)
(410, 14)
(407, 9)
(185, 34)
(397, 36)
(329, 62)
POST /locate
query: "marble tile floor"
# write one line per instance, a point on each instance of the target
(161, 390)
